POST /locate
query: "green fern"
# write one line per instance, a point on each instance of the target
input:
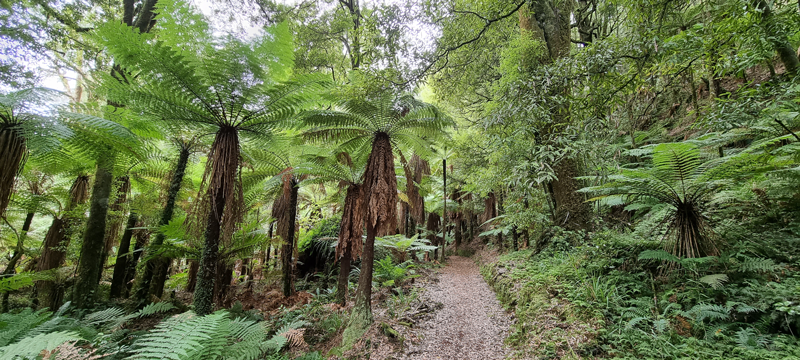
(214, 336)
(31, 347)
(15, 326)
(659, 255)
(716, 280)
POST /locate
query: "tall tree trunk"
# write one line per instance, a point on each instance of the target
(152, 266)
(85, 289)
(204, 292)
(50, 293)
(458, 234)
(549, 21)
(444, 207)
(191, 283)
(142, 236)
(123, 256)
(286, 230)
(350, 231)
(380, 199)
(344, 276)
(225, 154)
(115, 216)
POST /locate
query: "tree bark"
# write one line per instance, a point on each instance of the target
(444, 207)
(549, 21)
(344, 276)
(204, 292)
(84, 292)
(123, 256)
(141, 241)
(12, 155)
(115, 217)
(150, 269)
(286, 230)
(191, 283)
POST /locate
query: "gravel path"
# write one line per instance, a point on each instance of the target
(470, 325)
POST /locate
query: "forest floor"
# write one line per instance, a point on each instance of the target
(469, 322)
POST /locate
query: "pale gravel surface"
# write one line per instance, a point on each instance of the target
(470, 325)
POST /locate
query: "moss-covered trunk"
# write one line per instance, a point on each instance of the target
(123, 256)
(115, 216)
(142, 236)
(152, 266)
(85, 289)
(550, 22)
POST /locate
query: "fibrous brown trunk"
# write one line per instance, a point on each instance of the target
(284, 210)
(432, 226)
(192, 275)
(12, 154)
(115, 216)
(380, 199)
(142, 236)
(225, 165)
(350, 232)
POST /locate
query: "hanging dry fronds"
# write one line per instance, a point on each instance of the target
(295, 337)
(352, 226)
(280, 208)
(220, 175)
(12, 155)
(380, 187)
(79, 192)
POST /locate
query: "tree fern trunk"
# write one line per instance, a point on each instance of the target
(123, 256)
(204, 291)
(12, 154)
(84, 292)
(56, 240)
(344, 274)
(287, 233)
(143, 290)
(141, 241)
(115, 216)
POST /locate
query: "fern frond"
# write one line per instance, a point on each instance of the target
(31, 347)
(716, 280)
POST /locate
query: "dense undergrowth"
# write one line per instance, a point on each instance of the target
(616, 295)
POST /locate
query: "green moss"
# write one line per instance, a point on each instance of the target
(357, 326)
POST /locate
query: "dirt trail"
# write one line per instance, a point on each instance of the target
(470, 325)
